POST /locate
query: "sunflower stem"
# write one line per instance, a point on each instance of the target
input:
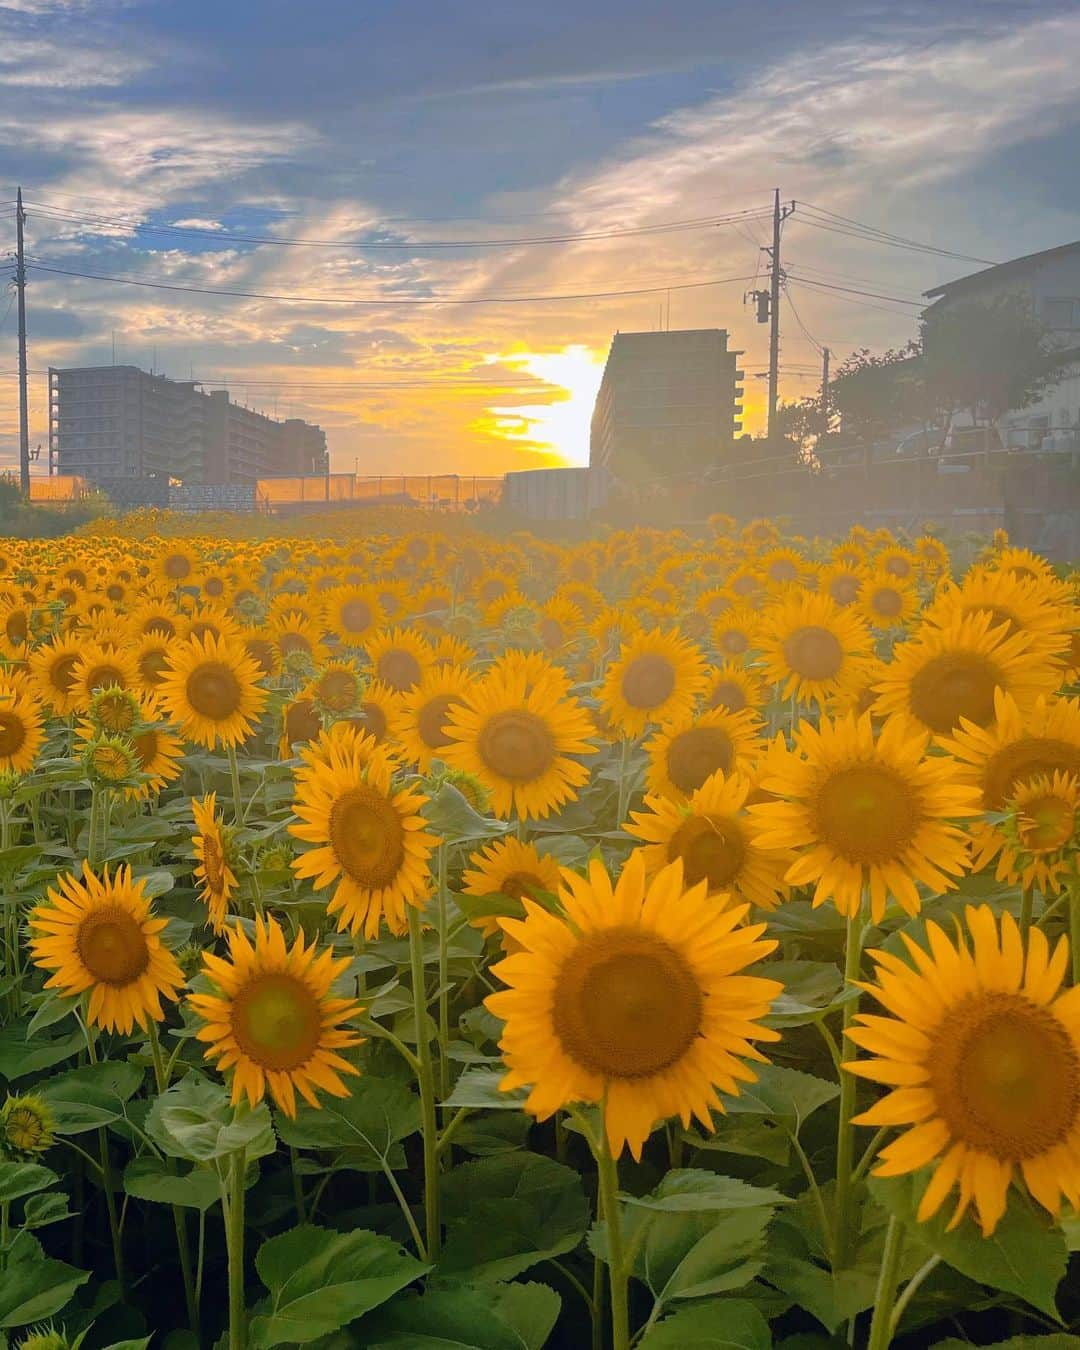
(910, 1290)
(444, 986)
(624, 784)
(608, 1177)
(234, 774)
(888, 1275)
(1027, 899)
(426, 1082)
(161, 1077)
(234, 1241)
(845, 1136)
(92, 828)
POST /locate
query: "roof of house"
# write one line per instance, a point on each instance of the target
(1002, 270)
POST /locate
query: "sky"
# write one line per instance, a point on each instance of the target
(380, 166)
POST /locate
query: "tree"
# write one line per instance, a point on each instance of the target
(876, 396)
(987, 357)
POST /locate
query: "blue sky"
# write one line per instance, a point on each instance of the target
(403, 122)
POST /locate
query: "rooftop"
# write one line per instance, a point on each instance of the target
(1014, 267)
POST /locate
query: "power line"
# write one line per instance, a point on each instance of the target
(873, 234)
(223, 236)
(852, 290)
(862, 304)
(384, 300)
(819, 347)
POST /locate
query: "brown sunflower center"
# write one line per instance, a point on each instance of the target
(12, 733)
(374, 720)
(105, 676)
(813, 652)
(782, 569)
(887, 602)
(432, 718)
(551, 633)
(696, 754)
(277, 1021)
(399, 669)
(214, 691)
(727, 694)
(734, 642)
(152, 665)
(16, 626)
(648, 681)
(338, 689)
(844, 590)
(516, 745)
(62, 674)
(145, 744)
(367, 837)
(261, 651)
(204, 628)
(160, 626)
(293, 642)
(301, 721)
(1006, 1078)
(866, 813)
(1023, 760)
(518, 885)
(951, 686)
(898, 567)
(176, 567)
(112, 945)
(626, 1004)
(712, 848)
(1047, 823)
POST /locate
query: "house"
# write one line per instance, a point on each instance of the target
(1050, 280)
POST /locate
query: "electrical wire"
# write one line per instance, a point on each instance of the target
(846, 225)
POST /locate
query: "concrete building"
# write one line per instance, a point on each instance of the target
(108, 423)
(669, 404)
(1050, 281)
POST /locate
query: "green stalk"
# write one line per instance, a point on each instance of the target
(444, 990)
(234, 1241)
(234, 773)
(298, 1185)
(888, 1276)
(845, 1134)
(92, 829)
(624, 784)
(426, 1082)
(161, 1077)
(1027, 897)
(106, 1178)
(608, 1176)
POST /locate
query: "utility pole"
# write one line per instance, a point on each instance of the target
(775, 278)
(824, 389)
(24, 406)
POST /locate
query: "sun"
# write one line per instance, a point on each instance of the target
(561, 425)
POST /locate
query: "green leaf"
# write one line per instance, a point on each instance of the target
(92, 1096)
(194, 1120)
(478, 1089)
(19, 1057)
(454, 820)
(1026, 1254)
(41, 1210)
(52, 1009)
(320, 1281)
(17, 1179)
(1056, 1340)
(493, 1317)
(747, 1136)
(718, 1324)
(33, 1290)
(787, 1095)
(506, 1213)
(380, 1113)
(690, 1189)
(148, 1178)
(810, 988)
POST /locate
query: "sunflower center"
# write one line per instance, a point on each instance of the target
(814, 653)
(12, 733)
(432, 719)
(160, 626)
(366, 837)
(887, 602)
(112, 946)
(696, 754)
(866, 813)
(145, 745)
(338, 689)
(374, 720)
(727, 694)
(517, 745)
(1023, 760)
(844, 590)
(1047, 823)
(105, 677)
(521, 885)
(734, 642)
(626, 1004)
(1006, 1079)
(152, 665)
(261, 651)
(301, 721)
(62, 674)
(898, 567)
(176, 567)
(277, 1021)
(214, 691)
(951, 686)
(16, 626)
(648, 681)
(293, 642)
(712, 849)
(399, 669)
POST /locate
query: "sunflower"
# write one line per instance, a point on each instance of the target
(212, 621)
(895, 561)
(300, 724)
(632, 999)
(16, 618)
(1018, 748)
(511, 868)
(982, 1051)
(22, 731)
(942, 676)
(686, 753)
(398, 658)
(736, 632)
(369, 836)
(272, 1020)
(1022, 563)
(887, 602)
(1033, 606)
(517, 742)
(52, 669)
(866, 812)
(337, 688)
(734, 687)
(158, 750)
(99, 934)
(841, 582)
(213, 871)
(263, 651)
(378, 709)
(419, 724)
(1040, 834)
(211, 691)
(176, 565)
(297, 636)
(657, 677)
(811, 647)
(101, 666)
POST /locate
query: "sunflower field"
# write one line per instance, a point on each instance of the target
(419, 939)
